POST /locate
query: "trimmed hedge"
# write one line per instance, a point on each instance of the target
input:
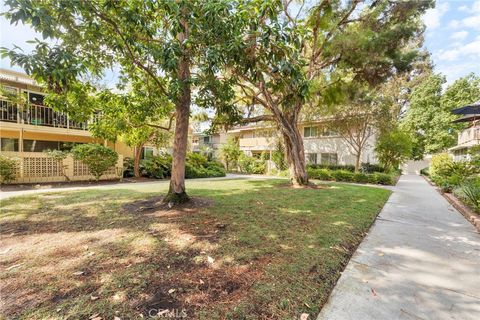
(365, 167)
(347, 176)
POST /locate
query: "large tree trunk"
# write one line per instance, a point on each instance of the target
(358, 156)
(177, 193)
(136, 160)
(295, 152)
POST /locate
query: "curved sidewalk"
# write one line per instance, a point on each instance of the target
(420, 260)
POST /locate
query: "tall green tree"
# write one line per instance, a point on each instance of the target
(180, 46)
(302, 54)
(429, 119)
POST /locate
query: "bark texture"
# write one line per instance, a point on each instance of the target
(136, 160)
(177, 192)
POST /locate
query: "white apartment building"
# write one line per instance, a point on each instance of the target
(322, 146)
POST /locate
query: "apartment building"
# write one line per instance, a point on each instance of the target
(322, 145)
(26, 131)
(470, 136)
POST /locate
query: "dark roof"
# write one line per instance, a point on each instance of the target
(468, 118)
(471, 109)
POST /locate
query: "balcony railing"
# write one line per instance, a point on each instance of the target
(470, 134)
(37, 115)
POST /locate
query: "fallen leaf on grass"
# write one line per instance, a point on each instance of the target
(171, 291)
(78, 273)
(304, 316)
(210, 259)
(93, 298)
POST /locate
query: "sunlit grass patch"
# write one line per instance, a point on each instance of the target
(249, 249)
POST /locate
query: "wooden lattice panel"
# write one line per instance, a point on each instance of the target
(41, 167)
(80, 169)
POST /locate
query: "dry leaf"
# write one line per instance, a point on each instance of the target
(78, 273)
(374, 292)
(210, 259)
(171, 291)
(93, 298)
(304, 316)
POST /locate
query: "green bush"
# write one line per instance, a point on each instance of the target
(157, 167)
(469, 192)
(251, 165)
(361, 177)
(367, 167)
(198, 166)
(347, 167)
(343, 175)
(96, 157)
(347, 176)
(382, 178)
(448, 174)
(7, 169)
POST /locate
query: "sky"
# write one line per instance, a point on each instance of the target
(452, 36)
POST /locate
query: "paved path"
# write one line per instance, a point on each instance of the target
(420, 260)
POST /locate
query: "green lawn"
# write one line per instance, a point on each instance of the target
(246, 250)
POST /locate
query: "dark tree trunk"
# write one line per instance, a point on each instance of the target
(294, 151)
(136, 160)
(177, 192)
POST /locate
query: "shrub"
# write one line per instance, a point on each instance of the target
(367, 167)
(470, 192)
(342, 175)
(321, 174)
(448, 174)
(157, 167)
(197, 166)
(96, 157)
(440, 166)
(7, 169)
(361, 177)
(347, 167)
(251, 165)
(382, 178)
(128, 167)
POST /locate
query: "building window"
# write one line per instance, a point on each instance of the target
(206, 139)
(328, 158)
(35, 98)
(42, 145)
(329, 133)
(9, 144)
(312, 158)
(309, 132)
(147, 152)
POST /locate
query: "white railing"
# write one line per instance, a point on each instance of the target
(470, 134)
(38, 167)
(37, 115)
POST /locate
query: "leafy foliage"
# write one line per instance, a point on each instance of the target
(350, 176)
(279, 157)
(7, 169)
(429, 118)
(97, 157)
(252, 165)
(470, 192)
(229, 153)
(449, 174)
(392, 148)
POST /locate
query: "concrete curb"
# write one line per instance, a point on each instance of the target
(457, 204)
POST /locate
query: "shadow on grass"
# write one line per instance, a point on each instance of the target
(268, 251)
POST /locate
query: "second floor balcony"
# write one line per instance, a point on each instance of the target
(37, 115)
(470, 135)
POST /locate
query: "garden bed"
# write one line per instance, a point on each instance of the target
(243, 249)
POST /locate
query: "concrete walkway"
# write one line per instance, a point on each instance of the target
(420, 260)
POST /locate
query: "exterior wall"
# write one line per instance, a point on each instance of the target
(467, 139)
(37, 167)
(24, 131)
(340, 147)
(252, 140)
